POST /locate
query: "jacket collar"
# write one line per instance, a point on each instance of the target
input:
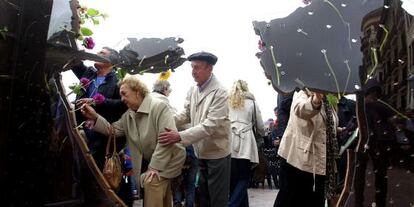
(205, 84)
(211, 86)
(144, 108)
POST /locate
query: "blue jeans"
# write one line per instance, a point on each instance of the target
(189, 177)
(239, 182)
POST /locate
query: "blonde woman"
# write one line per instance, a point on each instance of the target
(244, 114)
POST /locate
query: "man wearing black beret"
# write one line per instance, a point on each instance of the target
(206, 109)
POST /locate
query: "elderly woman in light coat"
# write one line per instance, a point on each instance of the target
(308, 150)
(244, 114)
(146, 118)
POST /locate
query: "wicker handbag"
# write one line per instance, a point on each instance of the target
(112, 170)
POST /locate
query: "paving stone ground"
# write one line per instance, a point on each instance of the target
(257, 198)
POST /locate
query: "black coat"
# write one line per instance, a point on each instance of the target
(346, 111)
(112, 108)
(284, 103)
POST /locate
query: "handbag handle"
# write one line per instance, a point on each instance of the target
(254, 118)
(111, 130)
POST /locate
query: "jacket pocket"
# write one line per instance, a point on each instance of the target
(304, 143)
(305, 151)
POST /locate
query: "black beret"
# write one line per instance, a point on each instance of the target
(204, 56)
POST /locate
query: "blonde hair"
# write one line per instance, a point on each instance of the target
(238, 94)
(134, 82)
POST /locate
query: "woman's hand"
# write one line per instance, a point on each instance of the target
(317, 99)
(149, 175)
(89, 112)
(83, 101)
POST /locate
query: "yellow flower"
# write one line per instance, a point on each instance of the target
(165, 75)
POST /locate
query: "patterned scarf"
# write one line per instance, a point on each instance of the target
(332, 152)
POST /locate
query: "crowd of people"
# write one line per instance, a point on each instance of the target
(210, 153)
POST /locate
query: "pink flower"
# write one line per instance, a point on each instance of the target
(85, 82)
(98, 98)
(88, 43)
(262, 45)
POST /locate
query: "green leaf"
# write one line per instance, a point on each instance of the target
(80, 37)
(95, 21)
(332, 100)
(71, 87)
(3, 32)
(82, 21)
(121, 73)
(92, 12)
(86, 31)
(76, 89)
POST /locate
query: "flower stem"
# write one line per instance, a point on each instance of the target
(347, 25)
(392, 108)
(333, 73)
(347, 78)
(80, 125)
(374, 51)
(385, 37)
(275, 64)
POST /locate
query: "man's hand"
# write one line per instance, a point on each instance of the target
(83, 101)
(168, 137)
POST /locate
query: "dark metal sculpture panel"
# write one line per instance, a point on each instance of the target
(319, 45)
(152, 55)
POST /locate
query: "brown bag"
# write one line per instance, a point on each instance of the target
(112, 170)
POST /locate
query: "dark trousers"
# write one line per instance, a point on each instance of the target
(239, 182)
(214, 182)
(188, 183)
(380, 154)
(296, 188)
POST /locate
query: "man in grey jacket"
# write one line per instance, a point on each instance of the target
(206, 109)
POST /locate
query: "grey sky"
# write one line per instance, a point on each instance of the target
(223, 27)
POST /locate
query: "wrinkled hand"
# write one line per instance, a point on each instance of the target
(83, 101)
(317, 99)
(89, 123)
(149, 175)
(168, 137)
(88, 112)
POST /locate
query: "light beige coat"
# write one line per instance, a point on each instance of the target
(207, 112)
(304, 142)
(141, 129)
(243, 141)
(164, 99)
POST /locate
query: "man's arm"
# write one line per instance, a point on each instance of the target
(79, 70)
(163, 153)
(217, 115)
(303, 105)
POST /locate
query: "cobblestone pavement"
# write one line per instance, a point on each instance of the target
(257, 198)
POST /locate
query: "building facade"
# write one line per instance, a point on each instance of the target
(385, 33)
